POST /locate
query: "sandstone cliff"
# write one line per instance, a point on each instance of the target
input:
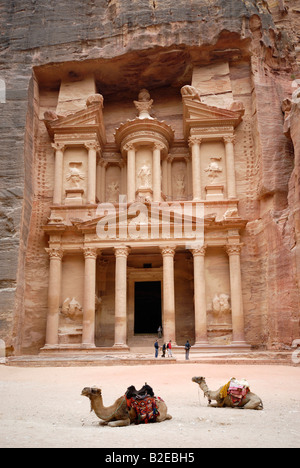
(153, 42)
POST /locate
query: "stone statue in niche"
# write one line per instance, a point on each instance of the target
(221, 305)
(113, 192)
(72, 309)
(145, 177)
(180, 186)
(75, 175)
(213, 170)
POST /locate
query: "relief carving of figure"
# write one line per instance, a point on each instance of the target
(145, 176)
(72, 309)
(213, 171)
(221, 304)
(75, 175)
(113, 192)
(180, 186)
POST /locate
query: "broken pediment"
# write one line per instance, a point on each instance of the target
(87, 120)
(197, 115)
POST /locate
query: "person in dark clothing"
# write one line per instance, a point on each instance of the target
(156, 346)
(187, 348)
(164, 349)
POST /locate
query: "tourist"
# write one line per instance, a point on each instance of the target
(159, 331)
(156, 346)
(187, 348)
(164, 349)
(169, 346)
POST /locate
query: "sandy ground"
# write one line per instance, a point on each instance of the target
(43, 407)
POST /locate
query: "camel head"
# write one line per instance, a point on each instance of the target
(91, 392)
(198, 380)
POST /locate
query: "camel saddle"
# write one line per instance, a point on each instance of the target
(144, 403)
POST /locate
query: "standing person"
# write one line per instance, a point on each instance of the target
(169, 346)
(164, 348)
(156, 346)
(187, 348)
(159, 331)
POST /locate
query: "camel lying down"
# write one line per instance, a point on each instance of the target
(121, 413)
(250, 401)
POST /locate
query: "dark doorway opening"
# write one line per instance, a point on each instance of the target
(148, 312)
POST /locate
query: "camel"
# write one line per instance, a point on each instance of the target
(118, 415)
(250, 401)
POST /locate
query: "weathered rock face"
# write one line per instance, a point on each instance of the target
(132, 44)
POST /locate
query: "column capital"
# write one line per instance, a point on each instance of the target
(170, 159)
(168, 251)
(158, 146)
(91, 145)
(195, 140)
(129, 147)
(122, 251)
(55, 253)
(58, 146)
(229, 139)
(90, 252)
(199, 251)
(233, 249)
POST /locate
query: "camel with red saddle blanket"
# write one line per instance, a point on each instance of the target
(235, 394)
(135, 407)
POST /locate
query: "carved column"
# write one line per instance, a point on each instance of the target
(238, 325)
(103, 181)
(195, 144)
(165, 177)
(230, 164)
(169, 319)
(200, 296)
(121, 254)
(131, 183)
(92, 172)
(157, 172)
(58, 173)
(88, 332)
(170, 185)
(188, 176)
(54, 293)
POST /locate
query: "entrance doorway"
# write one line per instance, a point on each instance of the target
(148, 310)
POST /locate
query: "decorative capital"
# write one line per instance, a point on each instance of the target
(230, 139)
(90, 252)
(58, 146)
(199, 251)
(195, 140)
(55, 253)
(122, 251)
(234, 249)
(159, 146)
(128, 147)
(92, 146)
(168, 251)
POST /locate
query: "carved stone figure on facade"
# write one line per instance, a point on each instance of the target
(180, 186)
(213, 171)
(75, 175)
(113, 192)
(72, 309)
(145, 176)
(190, 91)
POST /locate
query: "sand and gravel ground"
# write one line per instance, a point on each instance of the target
(43, 407)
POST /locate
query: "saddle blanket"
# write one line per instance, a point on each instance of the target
(237, 390)
(146, 409)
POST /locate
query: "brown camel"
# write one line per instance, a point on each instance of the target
(250, 401)
(118, 414)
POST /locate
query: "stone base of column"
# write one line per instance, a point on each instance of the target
(120, 347)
